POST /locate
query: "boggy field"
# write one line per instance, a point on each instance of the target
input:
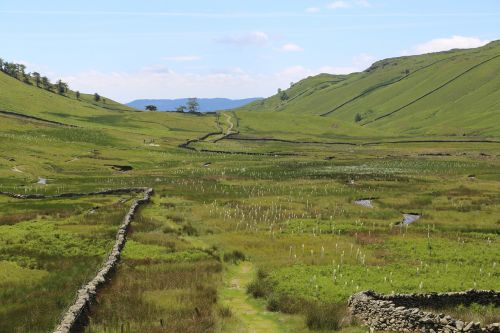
(240, 235)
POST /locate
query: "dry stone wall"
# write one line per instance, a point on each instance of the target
(401, 312)
(75, 194)
(76, 316)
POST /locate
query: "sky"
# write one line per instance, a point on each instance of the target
(131, 49)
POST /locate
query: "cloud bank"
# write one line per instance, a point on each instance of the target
(161, 82)
(445, 44)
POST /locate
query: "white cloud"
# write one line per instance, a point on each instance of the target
(444, 44)
(363, 3)
(347, 4)
(313, 10)
(32, 67)
(290, 47)
(363, 60)
(183, 58)
(161, 82)
(251, 38)
(339, 4)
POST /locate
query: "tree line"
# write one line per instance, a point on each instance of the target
(18, 71)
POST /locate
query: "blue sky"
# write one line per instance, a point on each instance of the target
(128, 49)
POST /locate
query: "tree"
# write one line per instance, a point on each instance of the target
(1, 64)
(284, 96)
(27, 78)
(151, 108)
(21, 70)
(358, 118)
(10, 68)
(77, 94)
(193, 105)
(38, 79)
(46, 83)
(61, 87)
(181, 108)
(97, 98)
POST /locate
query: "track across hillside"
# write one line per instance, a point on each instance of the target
(432, 91)
(382, 85)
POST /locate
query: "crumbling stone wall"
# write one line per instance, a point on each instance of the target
(401, 313)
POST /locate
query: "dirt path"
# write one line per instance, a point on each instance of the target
(230, 123)
(250, 314)
(15, 169)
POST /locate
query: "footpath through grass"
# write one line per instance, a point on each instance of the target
(250, 315)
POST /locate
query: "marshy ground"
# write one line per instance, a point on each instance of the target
(305, 244)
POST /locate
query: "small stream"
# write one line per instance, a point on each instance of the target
(410, 218)
(364, 202)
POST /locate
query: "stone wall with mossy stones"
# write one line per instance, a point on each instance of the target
(401, 312)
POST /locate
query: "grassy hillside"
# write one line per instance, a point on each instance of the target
(23, 99)
(279, 218)
(452, 93)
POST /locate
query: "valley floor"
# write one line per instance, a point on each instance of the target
(241, 235)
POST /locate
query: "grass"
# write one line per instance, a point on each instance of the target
(285, 227)
(46, 255)
(487, 314)
(460, 107)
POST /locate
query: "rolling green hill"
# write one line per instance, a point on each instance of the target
(453, 93)
(18, 99)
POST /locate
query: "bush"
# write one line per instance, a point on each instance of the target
(234, 257)
(358, 118)
(168, 230)
(286, 304)
(330, 316)
(258, 288)
(273, 303)
(189, 230)
(225, 312)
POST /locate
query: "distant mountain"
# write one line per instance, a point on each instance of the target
(206, 104)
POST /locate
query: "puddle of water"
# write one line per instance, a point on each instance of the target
(410, 218)
(364, 202)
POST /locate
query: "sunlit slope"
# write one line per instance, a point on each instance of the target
(446, 93)
(303, 127)
(20, 97)
(28, 100)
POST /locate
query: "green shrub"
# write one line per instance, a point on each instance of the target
(225, 312)
(168, 230)
(234, 257)
(189, 230)
(259, 288)
(323, 316)
(286, 304)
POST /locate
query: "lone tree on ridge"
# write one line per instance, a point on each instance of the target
(193, 105)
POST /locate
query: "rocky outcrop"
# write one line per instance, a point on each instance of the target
(401, 313)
